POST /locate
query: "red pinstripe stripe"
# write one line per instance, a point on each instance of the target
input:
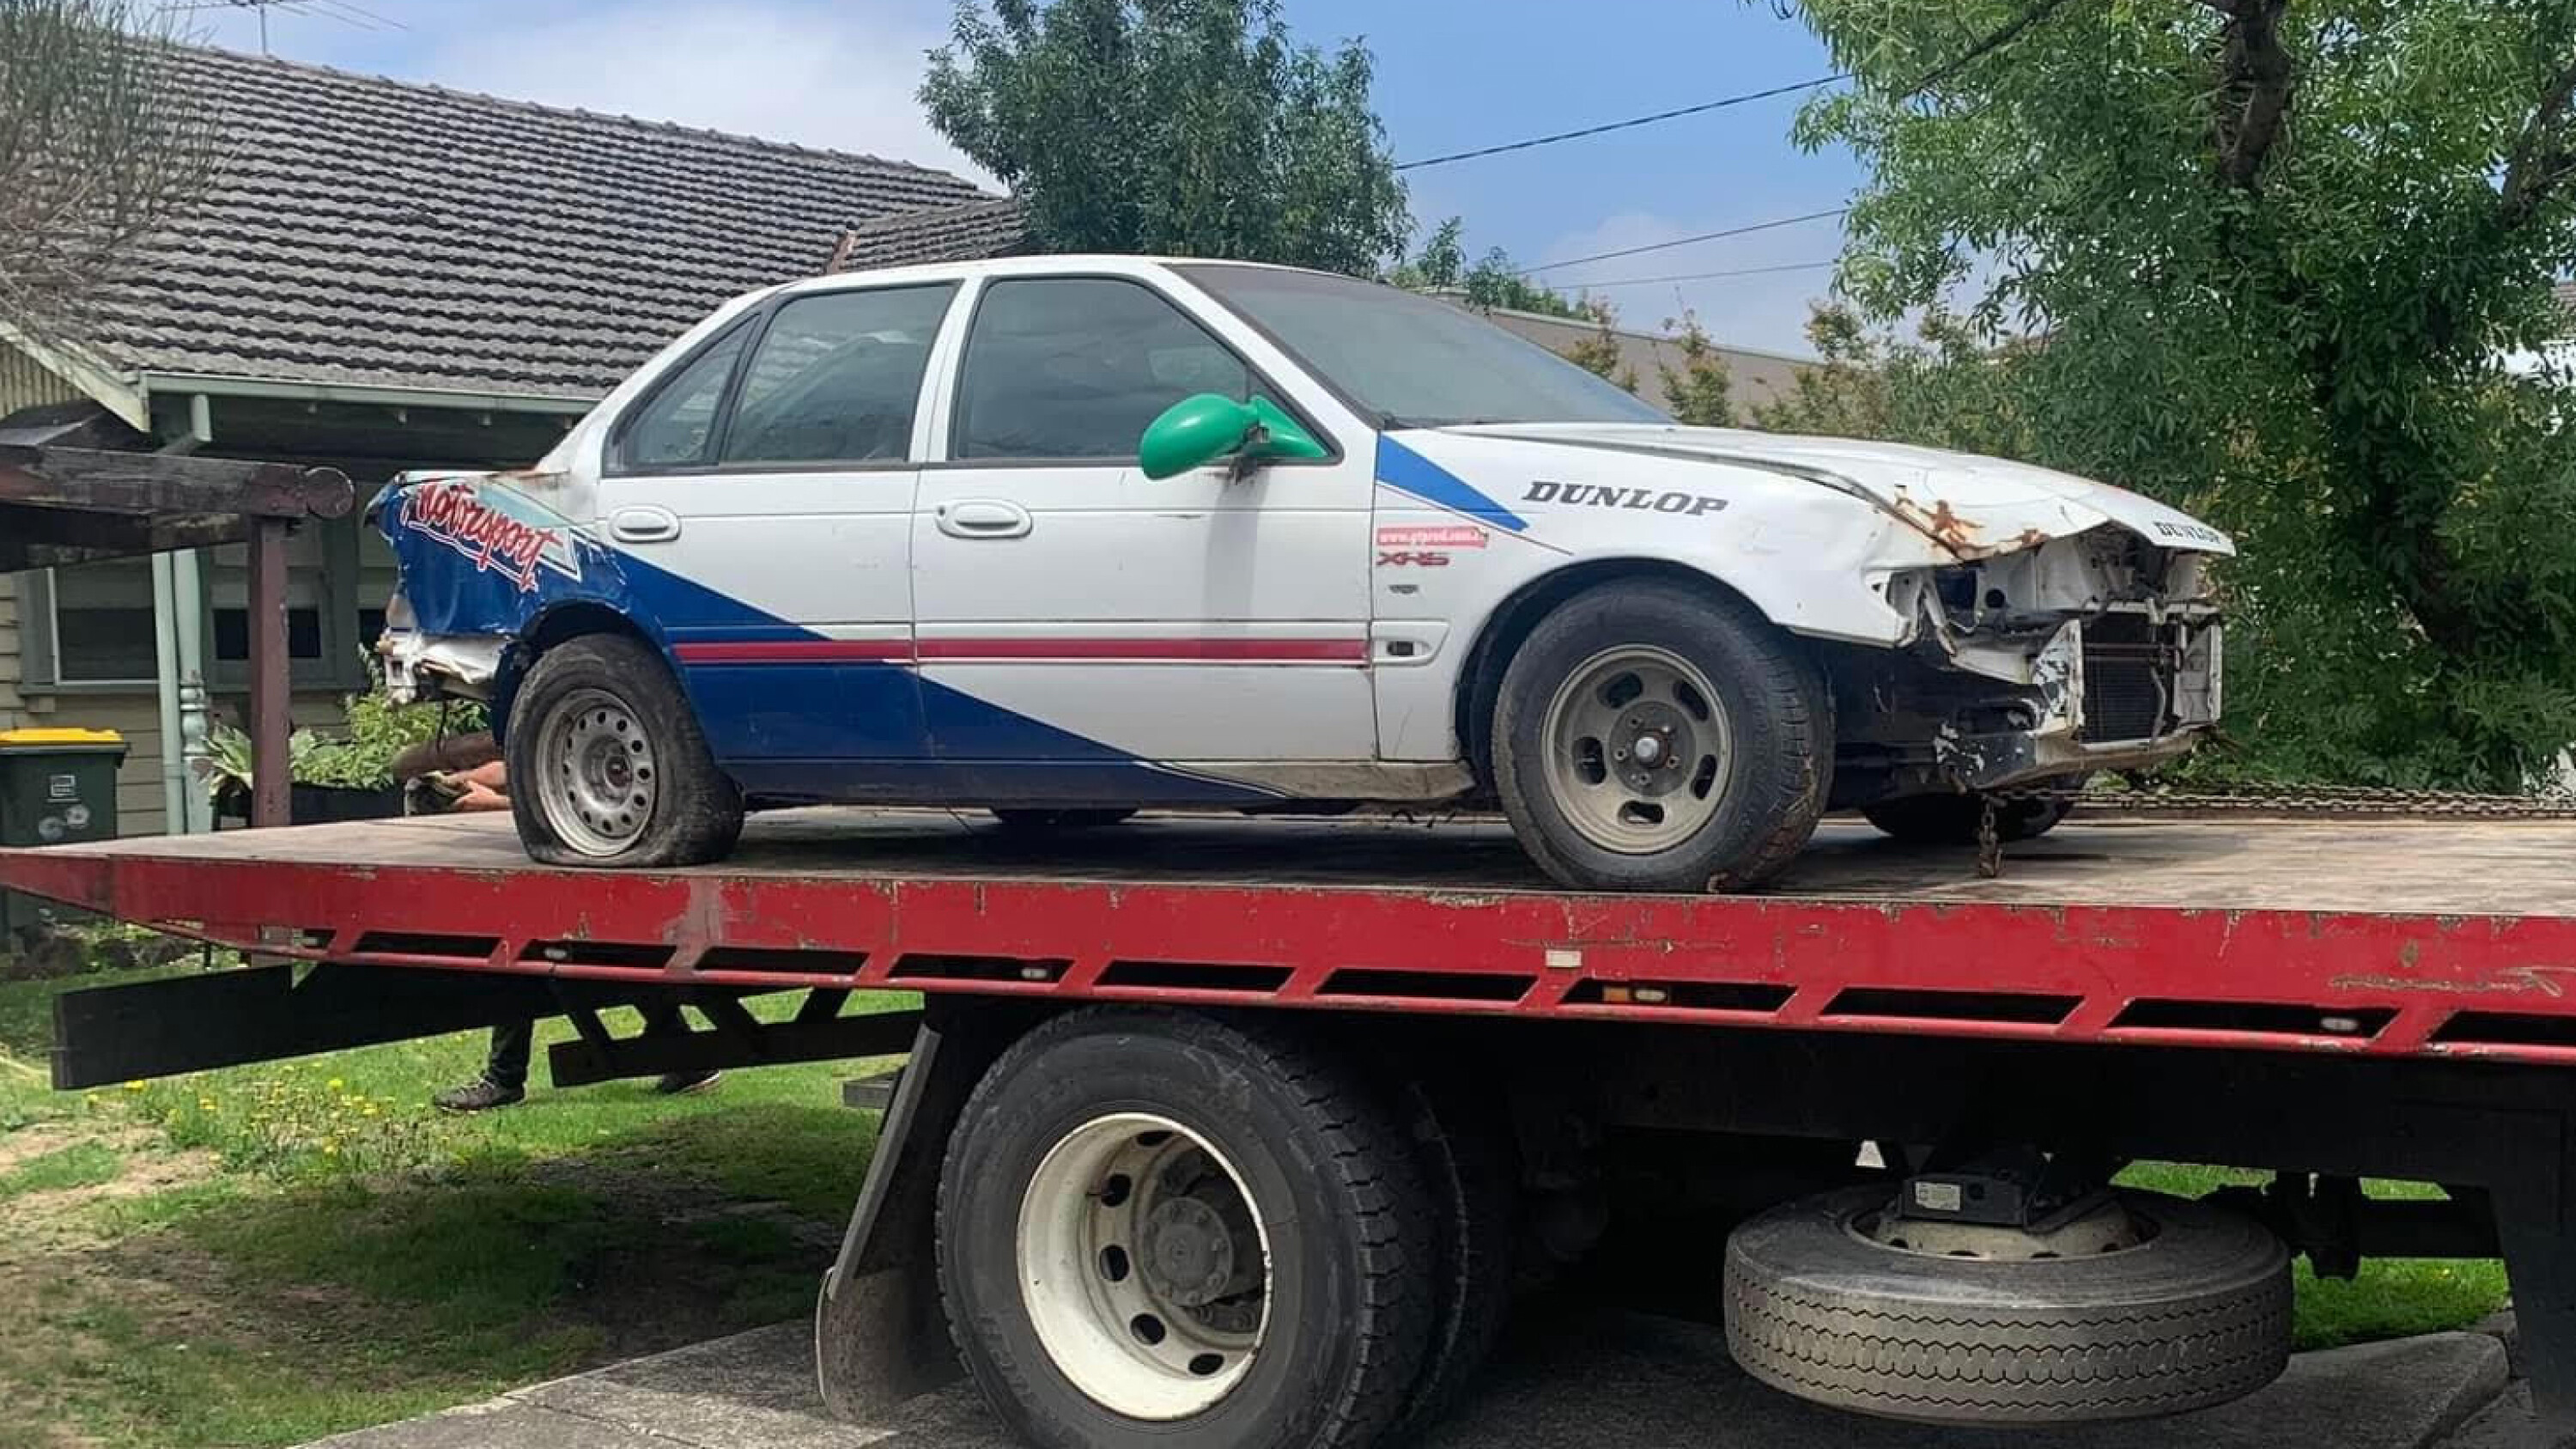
(790, 651)
(1231, 651)
(1262, 651)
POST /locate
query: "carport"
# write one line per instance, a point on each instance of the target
(67, 497)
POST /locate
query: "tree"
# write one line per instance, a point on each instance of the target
(1599, 353)
(1190, 127)
(100, 145)
(1493, 283)
(1698, 391)
(2276, 254)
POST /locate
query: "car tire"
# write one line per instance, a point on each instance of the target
(1954, 819)
(1087, 1323)
(2196, 1315)
(1745, 704)
(1020, 820)
(583, 704)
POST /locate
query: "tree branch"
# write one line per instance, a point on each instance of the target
(1995, 40)
(2254, 95)
(2542, 159)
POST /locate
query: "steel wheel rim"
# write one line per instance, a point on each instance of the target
(1638, 748)
(1144, 1266)
(597, 779)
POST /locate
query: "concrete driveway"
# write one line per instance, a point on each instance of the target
(1601, 1378)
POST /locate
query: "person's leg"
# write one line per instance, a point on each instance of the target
(662, 1018)
(505, 1072)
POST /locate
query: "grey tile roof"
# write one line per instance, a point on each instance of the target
(993, 227)
(365, 230)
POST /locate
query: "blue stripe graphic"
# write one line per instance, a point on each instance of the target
(1407, 471)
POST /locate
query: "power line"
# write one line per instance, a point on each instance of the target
(1746, 230)
(1696, 276)
(1995, 40)
(1634, 121)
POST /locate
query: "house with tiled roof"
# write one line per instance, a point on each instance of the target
(387, 276)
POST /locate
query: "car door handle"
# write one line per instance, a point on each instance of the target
(643, 525)
(983, 518)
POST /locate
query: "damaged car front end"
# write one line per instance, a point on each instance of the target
(2031, 667)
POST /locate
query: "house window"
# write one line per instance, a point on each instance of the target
(89, 627)
(102, 623)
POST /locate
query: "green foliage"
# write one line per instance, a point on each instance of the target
(2277, 254)
(80, 1164)
(1699, 391)
(359, 757)
(1493, 283)
(1186, 127)
(1599, 353)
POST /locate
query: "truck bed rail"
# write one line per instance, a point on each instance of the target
(2450, 938)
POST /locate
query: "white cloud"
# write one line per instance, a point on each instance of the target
(1765, 312)
(839, 76)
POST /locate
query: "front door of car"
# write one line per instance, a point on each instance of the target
(761, 504)
(1087, 633)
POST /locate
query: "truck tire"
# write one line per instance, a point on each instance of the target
(607, 766)
(1163, 1228)
(1652, 736)
(1464, 1151)
(1953, 819)
(2196, 1315)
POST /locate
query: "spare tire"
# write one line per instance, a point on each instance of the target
(2195, 1315)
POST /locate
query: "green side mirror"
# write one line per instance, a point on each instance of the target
(1196, 431)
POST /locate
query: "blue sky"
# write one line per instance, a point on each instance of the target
(1452, 74)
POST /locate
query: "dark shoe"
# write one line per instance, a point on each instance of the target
(477, 1096)
(673, 1084)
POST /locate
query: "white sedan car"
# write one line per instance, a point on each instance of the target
(1066, 537)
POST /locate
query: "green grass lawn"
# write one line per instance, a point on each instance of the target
(2392, 1297)
(269, 1254)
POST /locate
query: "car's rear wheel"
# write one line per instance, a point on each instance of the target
(1651, 736)
(1954, 819)
(607, 766)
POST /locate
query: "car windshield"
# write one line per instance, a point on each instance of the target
(1412, 360)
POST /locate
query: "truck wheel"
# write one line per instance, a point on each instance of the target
(1024, 821)
(1464, 1150)
(1953, 819)
(607, 766)
(1651, 736)
(2178, 1306)
(1161, 1228)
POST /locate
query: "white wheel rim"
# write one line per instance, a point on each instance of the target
(1144, 1266)
(1638, 748)
(597, 777)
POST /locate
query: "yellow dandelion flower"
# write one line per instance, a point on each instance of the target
(333, 1084)
(330, 1149)
(134, 1086)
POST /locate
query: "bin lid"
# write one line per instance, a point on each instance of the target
(35, 740)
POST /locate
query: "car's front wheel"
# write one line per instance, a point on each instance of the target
(1652, 736)
(607, 766)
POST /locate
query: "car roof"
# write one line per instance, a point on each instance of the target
(1054, 264)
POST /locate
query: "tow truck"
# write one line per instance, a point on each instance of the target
(1245, 1131)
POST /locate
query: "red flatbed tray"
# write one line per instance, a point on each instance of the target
(2420, 937)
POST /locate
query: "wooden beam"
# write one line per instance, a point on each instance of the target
(271, 767)
(103, 481)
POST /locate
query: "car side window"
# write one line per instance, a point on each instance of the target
(1075, 367)
(676, 426)
(837, 378)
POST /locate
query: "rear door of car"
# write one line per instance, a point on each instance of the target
(761, 502)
